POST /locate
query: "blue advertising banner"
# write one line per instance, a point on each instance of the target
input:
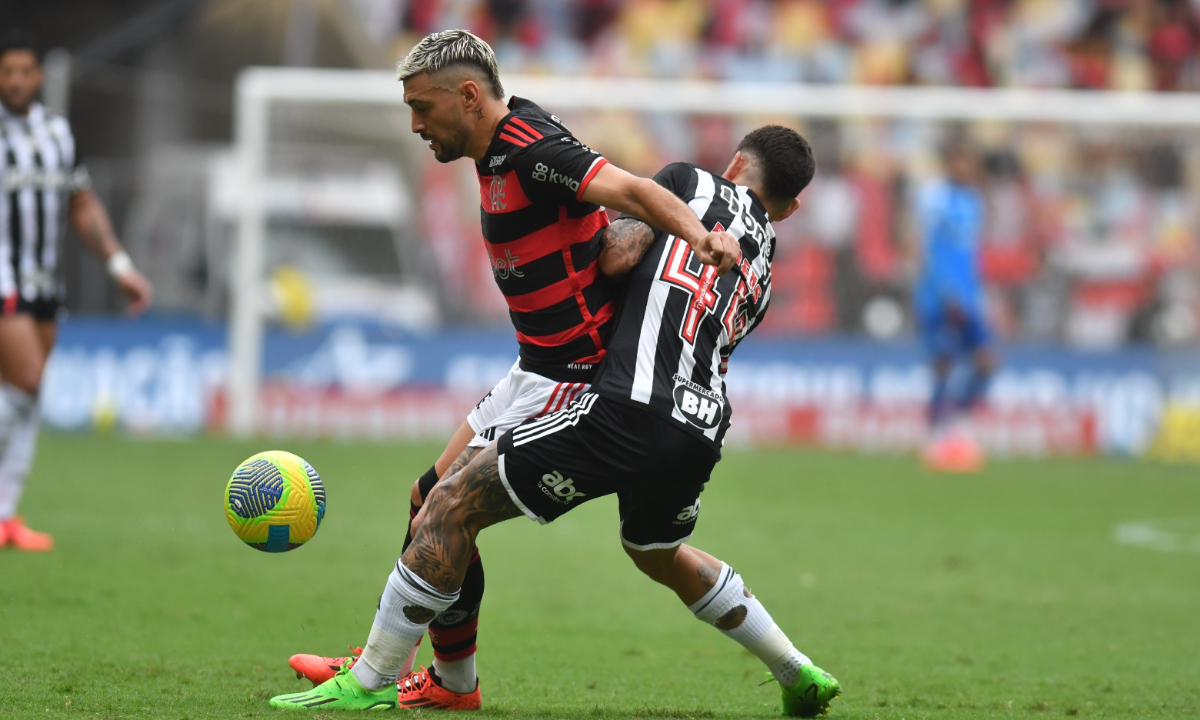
(168, 376)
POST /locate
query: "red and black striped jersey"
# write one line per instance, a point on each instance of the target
(544, 242)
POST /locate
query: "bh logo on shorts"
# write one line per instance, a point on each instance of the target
(689, 514)
(559, 489)
(701, 406)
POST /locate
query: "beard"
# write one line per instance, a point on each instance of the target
(455, 144)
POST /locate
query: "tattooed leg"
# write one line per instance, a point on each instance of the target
(426, 580)
(454, 513)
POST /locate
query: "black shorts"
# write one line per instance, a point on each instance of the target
(595, 447)
(41, 309)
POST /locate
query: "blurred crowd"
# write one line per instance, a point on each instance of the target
(1090, 234)
(1092, 44)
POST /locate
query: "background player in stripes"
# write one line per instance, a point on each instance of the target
(43, 181)
(651, 432)
(541, 197)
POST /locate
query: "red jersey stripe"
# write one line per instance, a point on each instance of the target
(591, 173)
(527, 127)
(552, 294)
(513, 140)
(562, 338)
(550, 403)
(550, 239)
(518, 132)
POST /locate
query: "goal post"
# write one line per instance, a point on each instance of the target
(262, 92)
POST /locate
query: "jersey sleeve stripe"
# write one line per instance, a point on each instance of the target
(527, 128)
(513, 140)
(591, 173)
(602, 316)
(552, 294)
(518, 132)
(513, 130)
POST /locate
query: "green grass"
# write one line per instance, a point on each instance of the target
(1001, 595)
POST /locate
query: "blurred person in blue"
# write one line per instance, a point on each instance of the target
(43, 183)
(949, 304)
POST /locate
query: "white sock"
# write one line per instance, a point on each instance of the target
(757, 632)
(16, 455)
(458, 675)
(407, 666)
(393, 635)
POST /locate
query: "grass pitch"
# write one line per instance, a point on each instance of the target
(1002, 595)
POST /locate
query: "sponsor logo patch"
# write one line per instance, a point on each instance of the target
(559, 489)
(700, 406)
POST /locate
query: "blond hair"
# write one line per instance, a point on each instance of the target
(441, 50)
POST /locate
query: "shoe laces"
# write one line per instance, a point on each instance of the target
(415, 682)
(354, 653)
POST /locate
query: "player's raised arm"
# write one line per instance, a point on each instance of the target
(614, 188)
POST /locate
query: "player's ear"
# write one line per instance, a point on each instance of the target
(468, 90)
(792, 207)
(736, 165)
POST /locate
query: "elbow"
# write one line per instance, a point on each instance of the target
(612, 267)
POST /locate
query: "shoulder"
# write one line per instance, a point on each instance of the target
(676, 173)
(529, 125)
(57, 124)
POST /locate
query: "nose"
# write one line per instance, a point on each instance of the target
(418, 126)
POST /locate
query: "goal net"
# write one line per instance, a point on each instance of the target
(1090, 235)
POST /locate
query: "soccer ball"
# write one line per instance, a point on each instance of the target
(275, 501)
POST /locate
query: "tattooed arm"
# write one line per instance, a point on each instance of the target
(456, 510)
(95, 229)
(623, 245)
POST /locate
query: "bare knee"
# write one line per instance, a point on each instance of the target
(658, 565)
(27, 379)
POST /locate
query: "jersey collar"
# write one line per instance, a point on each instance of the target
(37, 113)
(757, 203)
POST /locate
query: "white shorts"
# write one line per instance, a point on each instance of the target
(518, 397)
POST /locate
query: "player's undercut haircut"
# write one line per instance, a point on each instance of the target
(19, 39)
(452, 48)
(783, 158)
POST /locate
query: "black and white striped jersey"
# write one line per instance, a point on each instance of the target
(679, 322)
(39, 170)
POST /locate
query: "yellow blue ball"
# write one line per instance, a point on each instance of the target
(275, 501)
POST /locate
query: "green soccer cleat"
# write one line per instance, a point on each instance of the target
(811, 694)
(340, 692)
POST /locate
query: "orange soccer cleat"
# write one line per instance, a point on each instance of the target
(318, 669)
(16, 534)
(420, 690)
(954, 452)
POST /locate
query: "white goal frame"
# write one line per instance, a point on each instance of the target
(258, 88)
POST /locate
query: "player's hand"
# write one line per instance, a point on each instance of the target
(719, 249)
(137, 290)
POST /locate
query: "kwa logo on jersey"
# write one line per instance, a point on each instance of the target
(700, 406)
(544, 173)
